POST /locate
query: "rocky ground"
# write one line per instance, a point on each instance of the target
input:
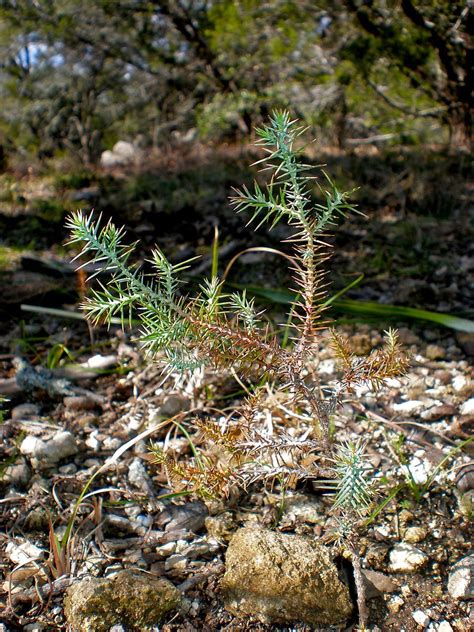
(163, 561)
(93, 538)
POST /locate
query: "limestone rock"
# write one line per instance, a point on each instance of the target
(283, 578)
(421, 618)
(468, 407)
(413, 535)
(412, 407)
(23, 553)
(46, 453)
(123, 153)
(406, 558)
(130, 599)
(460, 582)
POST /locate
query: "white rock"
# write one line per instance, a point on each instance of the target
(327, 366)
(459, 383)
(361, 390)
(392, 382)
(176, 562)
(112, 443)
(413, 535)
(123, 153)
(418, 469)
(45, 453)
(93, 442)
(166, 549)
(99, 361)
(444, 626)
(395, 603)
(460, 582)
(406, 558)
(468, 407)
(23, 553)
(421, 617)
(412, 407)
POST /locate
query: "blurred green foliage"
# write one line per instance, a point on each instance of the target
(77, 77)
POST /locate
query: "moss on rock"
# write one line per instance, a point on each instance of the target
(282, 579)
(137, 601)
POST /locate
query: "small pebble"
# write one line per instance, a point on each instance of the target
(139, 478)
(418, 469)
(468, 407)
(17, 475)
(221, 527)
(405, 516)
(378, 583)
(173, 405)
(176, 562)
(25, 411)
(23, 553)
(46, 453)
(112, 443)
(166, 549)
(68, 470)
(327, 367)
(465, 477)
(395, 603)
(412, 407)
(93, 442)
(459, 383)
(443, 376)
(80, 402)
(413, 535)
(421, 618)
(435, 352)
(439, 412)
(190, 516)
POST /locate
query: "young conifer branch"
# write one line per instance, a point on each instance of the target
(220, 330)
(288, 197)
(353, 499)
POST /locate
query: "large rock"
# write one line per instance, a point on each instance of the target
(133, 600)
(283, 578)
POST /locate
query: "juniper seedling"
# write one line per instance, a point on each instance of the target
(225, 330)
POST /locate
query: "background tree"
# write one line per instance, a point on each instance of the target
(77, 76)
(430, 47)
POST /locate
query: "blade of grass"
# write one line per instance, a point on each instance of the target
(398, 311)
(367, 308)
(215, 253)
(64, 313)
